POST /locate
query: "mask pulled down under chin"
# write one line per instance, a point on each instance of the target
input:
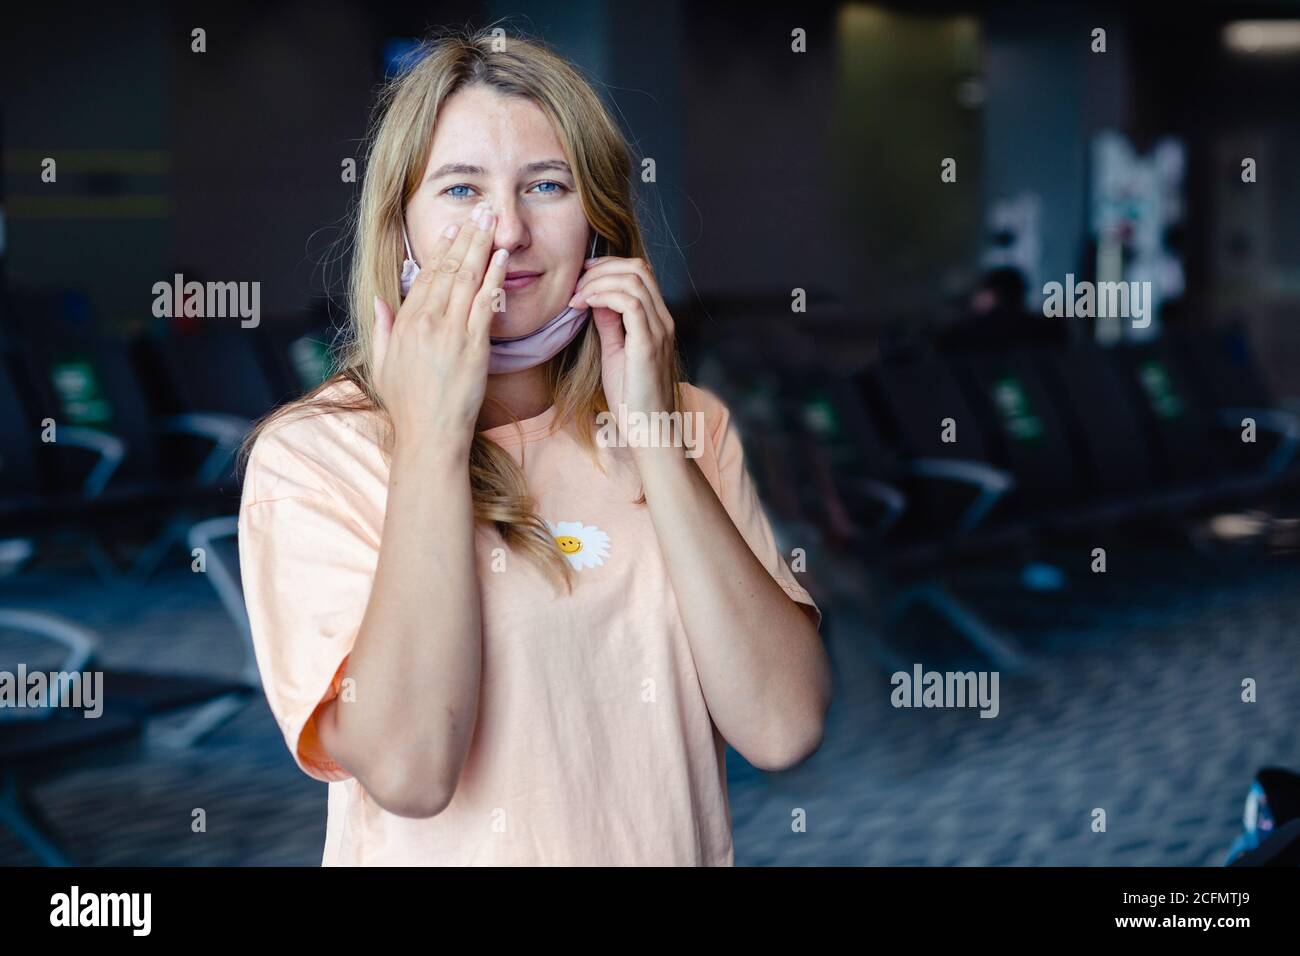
(521, 351)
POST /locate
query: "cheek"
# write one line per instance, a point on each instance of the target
(425, 223)
(566, 278)
(568, 245)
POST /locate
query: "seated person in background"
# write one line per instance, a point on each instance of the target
(997, 319)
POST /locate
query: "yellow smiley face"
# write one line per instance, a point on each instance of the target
(569, 544)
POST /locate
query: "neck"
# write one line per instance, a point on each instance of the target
(522, 393)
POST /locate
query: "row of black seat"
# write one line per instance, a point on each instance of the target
(919, 465)
(1052, 439)
(145, 429)
(152, 421)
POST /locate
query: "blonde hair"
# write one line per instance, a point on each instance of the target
(398, 146)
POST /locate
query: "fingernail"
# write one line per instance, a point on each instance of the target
(500, 256)
(485, 221)
(587, 262)
(450, 231)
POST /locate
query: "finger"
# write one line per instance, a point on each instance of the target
(424, 278)
(469, 278)
(626, 284)
(614, 265)
(482, 313)
(603, 266)
(380, 333)
(629, 307)
(609, 325)
(448, 263)
(445, 269)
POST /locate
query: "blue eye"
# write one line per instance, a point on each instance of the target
(451, 191)
(550, 182)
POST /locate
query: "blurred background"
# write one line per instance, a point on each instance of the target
(857, 213)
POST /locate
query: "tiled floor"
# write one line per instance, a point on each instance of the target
(1131, 702)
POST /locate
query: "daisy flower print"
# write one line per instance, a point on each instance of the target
(586, 546)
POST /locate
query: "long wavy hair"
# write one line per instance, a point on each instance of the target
(398, 143)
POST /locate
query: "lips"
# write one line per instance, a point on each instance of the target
(518, 280)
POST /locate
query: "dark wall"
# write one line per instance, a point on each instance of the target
(90, 91)
(775, 170)
(758, 123)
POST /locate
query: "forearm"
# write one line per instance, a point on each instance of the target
(417, 657)
(762, 665)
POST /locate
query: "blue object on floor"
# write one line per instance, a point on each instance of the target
(1040, 576)
(1256, 820)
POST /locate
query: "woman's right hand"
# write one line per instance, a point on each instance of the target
(431, 359)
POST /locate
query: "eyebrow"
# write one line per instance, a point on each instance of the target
(466, 169)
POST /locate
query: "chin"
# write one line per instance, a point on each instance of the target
(507, 326)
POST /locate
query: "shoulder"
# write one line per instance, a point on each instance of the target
(305, 444)
(720, 451)
(716, 414)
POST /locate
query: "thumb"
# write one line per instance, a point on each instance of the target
(381, 333)
(609, 325)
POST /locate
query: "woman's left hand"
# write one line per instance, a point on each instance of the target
(636, 333)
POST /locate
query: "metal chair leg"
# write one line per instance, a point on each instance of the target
(964, 621)
(28, 823)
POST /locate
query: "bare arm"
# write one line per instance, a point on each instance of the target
(762, 664)
(417, 658)
(416, 661)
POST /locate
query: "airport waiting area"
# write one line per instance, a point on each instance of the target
(1097, 533)
(1002, 301)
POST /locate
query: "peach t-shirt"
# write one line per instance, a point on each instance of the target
(593, 743)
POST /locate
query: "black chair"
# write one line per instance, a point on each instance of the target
(55, 475)
(217, 539)
(1197, 444)
(112, 464)
(1064, 425)
(923, 510)
(58, 737)
(945, 465)
(297, 354)
(1025, 431)
(1100, 408)
(33, 751)
(21, 481)
(1221, 367)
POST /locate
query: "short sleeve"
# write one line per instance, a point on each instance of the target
(307, 569)
(736, 490)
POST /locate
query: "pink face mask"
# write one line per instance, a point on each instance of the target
(521, 351)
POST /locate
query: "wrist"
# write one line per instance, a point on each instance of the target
(439, 454)
(660, 458)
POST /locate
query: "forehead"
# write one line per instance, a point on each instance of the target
(483, 127)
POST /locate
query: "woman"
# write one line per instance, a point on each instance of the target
(502, 634)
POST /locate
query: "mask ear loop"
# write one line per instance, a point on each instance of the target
(407, 242)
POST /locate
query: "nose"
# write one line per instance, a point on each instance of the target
(512, 227)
